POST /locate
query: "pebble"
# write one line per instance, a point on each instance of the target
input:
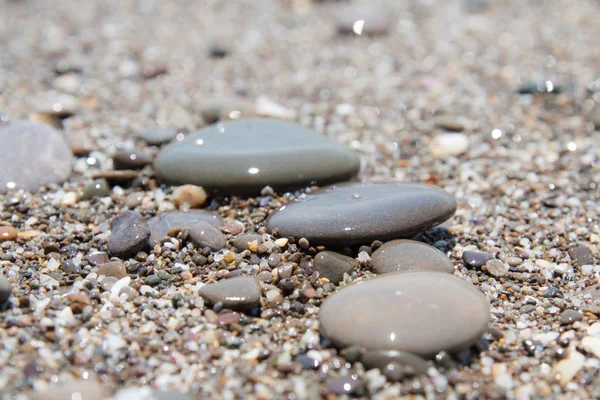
(80, 143)
(224, 108)
(96, 188)
(131, 159)
(424, 319)
(157, 136)
(113, 268)
(160, 225)
(129, 234)
(333, 266)
(496, 268)
(5, 290)
(475, 259)
(97, 258)
(539, 87)
(395, 365)
(344, 385)
(239, 157)
(246, 241)
(57, 105)
(592, 292)
(570, 316)
(32, 155)
(565, 370)
(117, 177)
(239, 293)
(350, 214)
(364, 19)
(409, 255)
(192, 195)
(449, 123)
(449, 145)
(7, 233)
(204, 235)
(582, 255)
(108, 282)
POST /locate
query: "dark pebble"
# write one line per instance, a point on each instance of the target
(570, 316)
(582, 255)
(129, 234)
(475, 259)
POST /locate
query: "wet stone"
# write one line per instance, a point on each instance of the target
(244, 241)
(33, 155)
(7, 233)
(364, 19)
(395, 365)
(243, 156)
(432, 312)
(97, 258)
(204, 235)
(162, 224)
(350, 214)
(5, 289)
(570, 316)
(475, 259)
(84, 389)
(582, 255)
(117, 177)
(108, 282)
(131, 159)
(97, 188)
(113, 268)
(129, 235)
(157, 136)
(540, 87)
(225, 108)
(192, 195)
(333, 266)
(409, 255)
(239, 293)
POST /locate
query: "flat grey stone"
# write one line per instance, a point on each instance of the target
(409, 255)
(333, 266)
(242, 242)
(131, 159)
(350, 214)
(422, 313)
(32, 155)
(244, 156)
(239, 293)
(129, 234)
(162, 224)
(204, 235)
(582, 255)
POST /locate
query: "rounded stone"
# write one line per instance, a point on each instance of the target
(85, 389)
(204, 235)
(8, 233)
(570, 316)
(114, 268)
(244, 156)
(192, 195)
(409, 255)
(475, 259)
(496, 268)
(237, 293)
(157, 136)
(422, 313)
(162, 224)
(33, 155)
(129, 234)
(351, 214)
(96, 188)
(333, 266)
(243, 242)
(131, 159)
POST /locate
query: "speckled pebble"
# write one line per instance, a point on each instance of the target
(496, 268)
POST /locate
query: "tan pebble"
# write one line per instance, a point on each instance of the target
(229, 257)
(7, 233)
(455, 229)
(594, 238)
(29, 234)
(282, 242)
(193, 195)
(186, 275)
(69, 199)
(253, 246)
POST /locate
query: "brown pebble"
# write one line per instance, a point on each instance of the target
(193, 195)
(230, 257)
(113, 268)
(7, 233)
